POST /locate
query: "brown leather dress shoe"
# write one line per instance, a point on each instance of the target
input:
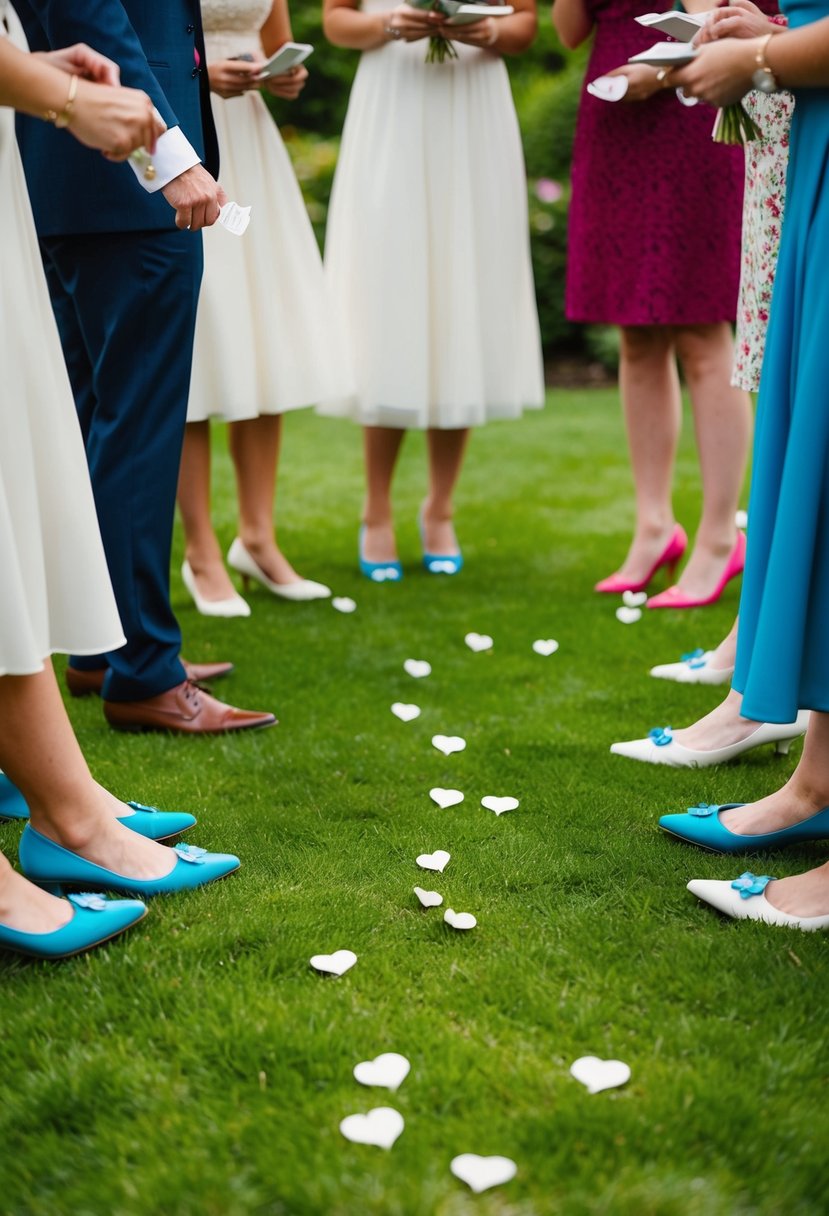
(185, 709)
(82, 683)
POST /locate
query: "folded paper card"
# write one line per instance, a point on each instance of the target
(682, 26)
(665, 55)
(290, 55)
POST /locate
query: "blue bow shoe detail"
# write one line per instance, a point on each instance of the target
(378, 572)
(748, 884)
(661, 736)
(692, 657)
(702, 810)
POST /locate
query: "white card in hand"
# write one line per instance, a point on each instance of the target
(608, 88)
(665, 55)
(682, 26)
(234, 218)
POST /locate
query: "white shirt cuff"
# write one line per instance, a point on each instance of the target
(174, 155)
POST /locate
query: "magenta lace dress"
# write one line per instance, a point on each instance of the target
(655, 216)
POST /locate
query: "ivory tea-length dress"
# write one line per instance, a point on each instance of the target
(55, 593)
(266, 341)
(427, 249)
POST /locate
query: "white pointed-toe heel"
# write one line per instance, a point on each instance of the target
(660, 747)
(241, 561)
(745, 899)
(693, 668)
(234, 605)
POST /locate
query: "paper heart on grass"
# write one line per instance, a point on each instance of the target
(379, 1127)
(445, 798)
(438, 860)
(417, 668)
(388, 1070)
(478, 641)
(499, 805)
(545, 646)
(597, 1074)
(628, 616)
(334, 964)
(634, 599)
(480, 1173)
(406, 713)
(459, 920)
(343, 603)
(429, 899)
(448, 743)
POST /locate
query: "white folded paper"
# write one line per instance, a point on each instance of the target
(234, 218)
(682, 26)
(666, 55)
(608, 88)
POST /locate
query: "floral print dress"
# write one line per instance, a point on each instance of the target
(763, 203)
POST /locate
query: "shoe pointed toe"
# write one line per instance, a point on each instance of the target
(94, 920)
(148, 821)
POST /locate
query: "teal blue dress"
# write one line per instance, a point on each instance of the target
(783, 648)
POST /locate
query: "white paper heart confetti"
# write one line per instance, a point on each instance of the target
(478, 641)
(445, 798)
(334, 964)
(628, 616)
(545, 646)
(380, 1127)
(480, 1173)
(387, 1071)
(499, 805)
(343, 603)
(459, 920)
(634, 599)
(608, 88)
(597, 1074)
(448, 743)
(417, 668)
(406, 713)
(438, 860)
(429, 899)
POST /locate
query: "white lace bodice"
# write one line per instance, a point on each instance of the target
(231, 27)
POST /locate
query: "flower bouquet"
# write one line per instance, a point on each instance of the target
(458, 13)
(733, 125)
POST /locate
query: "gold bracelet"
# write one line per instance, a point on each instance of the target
(64, 118)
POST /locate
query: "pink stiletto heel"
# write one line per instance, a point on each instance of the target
(670, 556)
(674, 598)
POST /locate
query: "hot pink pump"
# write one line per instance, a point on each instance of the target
(670, 556)
(674, 598)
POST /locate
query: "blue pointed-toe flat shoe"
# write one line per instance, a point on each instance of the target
(53, 867)
(146, 820)
(12, 803)
(378, 572)
(94, 920)
(154, 824)
(701, 826)
(439, 563)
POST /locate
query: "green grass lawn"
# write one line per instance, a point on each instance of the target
(198, 1066)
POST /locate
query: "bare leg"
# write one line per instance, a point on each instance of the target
(651, 401)
(726, 653)
(24, 907)
(201, 546)
(723, 726)
(381, 446)
(255, 446)
(446, 453)
(40, 754)
(722, 418)
(803, 895)
(804, 794)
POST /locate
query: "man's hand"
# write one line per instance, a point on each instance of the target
(196, 198)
